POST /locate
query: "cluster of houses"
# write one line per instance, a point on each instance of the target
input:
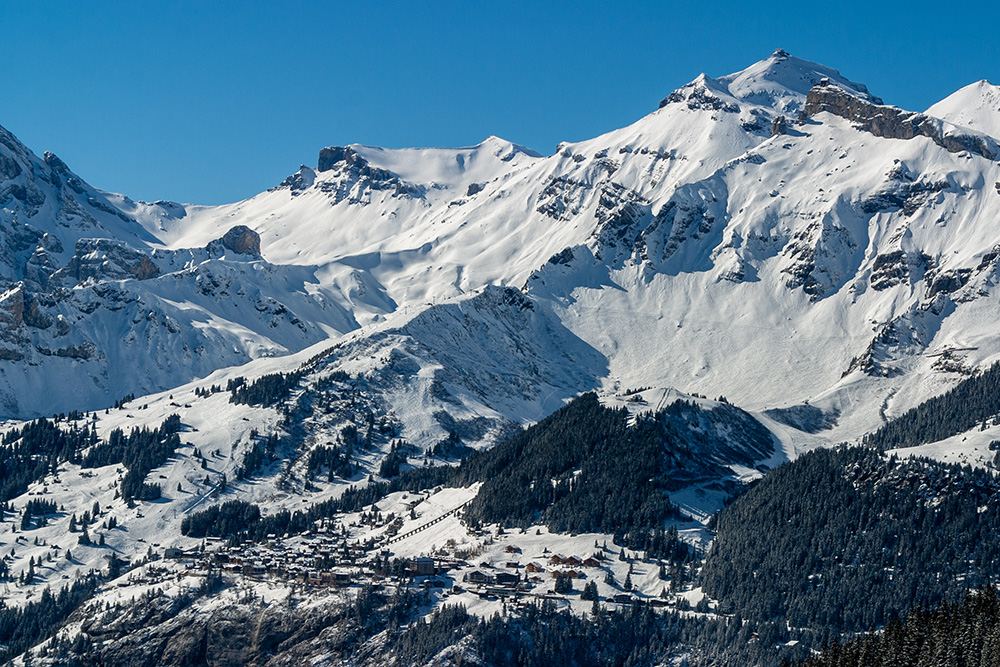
(326, 558)
(319, 560)
(509, 578)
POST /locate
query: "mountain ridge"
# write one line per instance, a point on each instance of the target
(668, 199)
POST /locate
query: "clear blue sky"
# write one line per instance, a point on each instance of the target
(210, 102)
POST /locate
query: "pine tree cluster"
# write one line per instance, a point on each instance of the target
(265, 391)
(966, 635)
(140, 451)
(842, 540)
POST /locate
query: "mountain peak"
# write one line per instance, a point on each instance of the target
(782, 81)
(976, 106)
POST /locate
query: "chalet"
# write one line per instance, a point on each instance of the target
(591, 562)
(423, 566)
(511, 549)
(557, 559)
(507, 579)
(624, 598)
(512, 565)
(534, 567)
(478, 577)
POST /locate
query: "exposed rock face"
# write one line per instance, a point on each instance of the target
(619, 214)
(331, 155)
(562, 198)
(34, 316)
(12, 308)
(357, 175)
(697, 96)
(897, 267)
(947, 281)
(300, 181)
(779, 126)
(903, 191)
(166, 632)
(892, 122)
(82, 352)
(108, 259)
(242, 240)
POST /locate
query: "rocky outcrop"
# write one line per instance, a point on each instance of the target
(12, 308)
(892, 122)
(947, 282)
(298, 182)
(243, 241)
(34, 314)
(103, 259)
(697, 96)
(779, 126)
(619, 214)
(896, 267)
(165, 632)
(357, 175)
(82, 352)
(562, 198)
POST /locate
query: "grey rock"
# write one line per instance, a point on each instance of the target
(891, 122)
(242, 240)
(779, 126)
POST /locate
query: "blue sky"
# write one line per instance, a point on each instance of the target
(210, 102)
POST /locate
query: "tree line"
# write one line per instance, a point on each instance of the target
(968, 404)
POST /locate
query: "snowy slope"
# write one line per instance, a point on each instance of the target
(977, 106)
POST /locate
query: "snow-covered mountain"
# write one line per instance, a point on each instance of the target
(777, 235)
(777, 239)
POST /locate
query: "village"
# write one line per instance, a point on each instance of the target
(486, 568)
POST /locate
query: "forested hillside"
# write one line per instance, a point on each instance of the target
(585, 469)
(966, 635)
(846, 539)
